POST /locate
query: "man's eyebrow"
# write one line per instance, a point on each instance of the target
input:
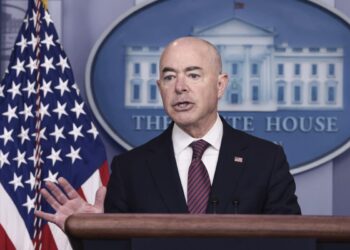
(190, 68)
(167, 69)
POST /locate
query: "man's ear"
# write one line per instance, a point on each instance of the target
(222, 84)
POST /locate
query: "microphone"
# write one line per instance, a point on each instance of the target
(235, 203)
(214, 201)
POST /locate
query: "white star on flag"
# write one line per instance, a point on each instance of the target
(74, 154)
(93, 131)
(33, 41)
(76, 132)
(48, 41)
(47, 64)
(78, 109)
(26, 22)
(16, 182)
(24, 135)
(10, 113)
(52, 177)
(2, 91)
(63, 86)
(14, 90)
(60, 109)
(4, 159)
(63, 63)
(6, 136)
(29, 204)
(34, 18)
(31, 181)
(77, 90)
(32, 65)
(47, 18)
(22, 43)
(27, 111)
(41, 134)
(54, 156)
(20, 158)
(33, 158)
(46, 87)
(30, 88)
(58, 133)
(44, 110)
(19, 67)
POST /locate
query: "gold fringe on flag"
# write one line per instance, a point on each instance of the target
(45, 3)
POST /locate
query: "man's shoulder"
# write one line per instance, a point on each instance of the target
(158, 143)
(247, 139)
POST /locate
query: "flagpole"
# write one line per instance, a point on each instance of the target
(37, 221)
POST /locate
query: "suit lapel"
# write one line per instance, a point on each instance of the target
(230, 167)
(162, 163)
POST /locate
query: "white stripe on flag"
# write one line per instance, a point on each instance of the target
(12, 223)
(60, 238)
(91, 185)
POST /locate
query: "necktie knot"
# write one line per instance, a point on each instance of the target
(198, 148)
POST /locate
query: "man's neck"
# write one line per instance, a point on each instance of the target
(198, 131)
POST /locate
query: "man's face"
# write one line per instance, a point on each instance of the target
(190, 85)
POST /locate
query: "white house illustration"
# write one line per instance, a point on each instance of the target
(264, 76)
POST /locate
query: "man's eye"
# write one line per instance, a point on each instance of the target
(168, 77)
(194, 76)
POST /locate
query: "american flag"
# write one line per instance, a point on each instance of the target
(45, 133)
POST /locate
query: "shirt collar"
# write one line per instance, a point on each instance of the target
(181, 140)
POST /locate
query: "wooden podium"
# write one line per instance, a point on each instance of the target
(127, 226)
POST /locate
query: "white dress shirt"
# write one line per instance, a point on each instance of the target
(183, 151)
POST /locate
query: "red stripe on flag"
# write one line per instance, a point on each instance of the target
(5, 242)
(81, 193)
(104, 173)
(47, 240)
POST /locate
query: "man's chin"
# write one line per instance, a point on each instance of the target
(183, 119)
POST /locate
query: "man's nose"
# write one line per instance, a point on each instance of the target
(181, 84)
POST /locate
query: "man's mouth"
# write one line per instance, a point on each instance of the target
(183, 106)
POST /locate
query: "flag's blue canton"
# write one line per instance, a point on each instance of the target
(69, 141)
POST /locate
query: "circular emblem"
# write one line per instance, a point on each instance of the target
(288, 81)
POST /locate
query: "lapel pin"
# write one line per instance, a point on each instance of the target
(238, 159)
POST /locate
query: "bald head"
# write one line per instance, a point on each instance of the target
(195, 45)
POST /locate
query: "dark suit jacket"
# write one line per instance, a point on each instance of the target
(146, 179)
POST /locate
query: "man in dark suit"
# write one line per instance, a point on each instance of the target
(199, 164)
(146, 180)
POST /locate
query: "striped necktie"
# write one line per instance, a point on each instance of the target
(198, 188)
